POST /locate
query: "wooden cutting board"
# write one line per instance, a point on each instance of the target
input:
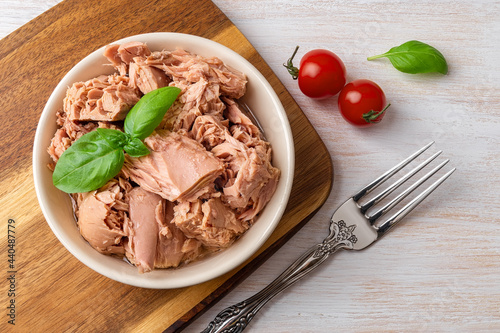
(54, 292)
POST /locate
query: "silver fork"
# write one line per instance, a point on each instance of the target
(351, 228)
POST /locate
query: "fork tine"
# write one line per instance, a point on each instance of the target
(373, 217)
(364, 207)
(374, 184)
(412, 204)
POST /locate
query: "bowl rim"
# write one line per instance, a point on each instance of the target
(165, 283)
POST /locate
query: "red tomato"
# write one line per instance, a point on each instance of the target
(362, 103)
(321, 73)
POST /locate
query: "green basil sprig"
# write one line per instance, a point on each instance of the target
(415, 57)
(96, 157)
(147, 114)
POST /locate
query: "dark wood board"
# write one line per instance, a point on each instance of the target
(54, 291)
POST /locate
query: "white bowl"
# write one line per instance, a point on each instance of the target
(56, 205)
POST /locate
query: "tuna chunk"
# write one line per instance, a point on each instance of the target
(153, 240)
(250, 178)
(195, 100)
(178, 168)
(184, 66)
(243, 129)
(121, 55)
(217, 215)
(232, 82)
(102, 215)
(59, 143)
(105, 98)
(173, 246)
(146, 213)
(209, 131)
(210, 222)
(146, 78)
(129, 51)
(129, 59)
(262, 196)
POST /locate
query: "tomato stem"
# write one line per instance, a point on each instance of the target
(373, 116)
(294, 71)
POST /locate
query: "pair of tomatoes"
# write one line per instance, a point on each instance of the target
(321, 74)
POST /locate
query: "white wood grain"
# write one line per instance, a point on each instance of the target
(440, 270)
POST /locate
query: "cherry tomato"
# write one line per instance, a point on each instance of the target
(321, 73)
(362, 103)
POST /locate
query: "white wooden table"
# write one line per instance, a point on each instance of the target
(440, 270)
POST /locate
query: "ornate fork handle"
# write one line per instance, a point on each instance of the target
(236, 317)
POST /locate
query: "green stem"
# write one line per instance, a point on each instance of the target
(377, 56)
(294, 71)
(373, 116)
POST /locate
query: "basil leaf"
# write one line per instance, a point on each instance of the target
(415, 57)
(147, 114)
(115, 138)
(88, 164)
(136, 148)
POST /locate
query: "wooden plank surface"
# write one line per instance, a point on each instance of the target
(55, 292)
(438, 271)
